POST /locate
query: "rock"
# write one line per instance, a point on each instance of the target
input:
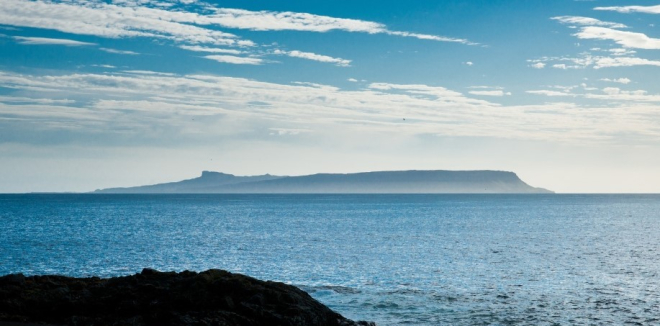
(210, 298)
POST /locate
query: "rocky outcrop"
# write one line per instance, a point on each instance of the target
(213, 297)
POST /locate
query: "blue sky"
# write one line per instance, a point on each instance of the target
(115, 93)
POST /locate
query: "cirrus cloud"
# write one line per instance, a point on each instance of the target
(235, 60)
(631, 9)
(623, 38)
(135, 19)
(115, 102)
(586, 21)
(49, 41)
(315, 57)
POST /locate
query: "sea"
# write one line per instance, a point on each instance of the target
(393, 259)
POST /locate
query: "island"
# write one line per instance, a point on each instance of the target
(385, 182)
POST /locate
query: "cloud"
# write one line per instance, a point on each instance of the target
(436, 93)
(352, 80)
(198, 48)
(490, 93)
(538, 65)
(597, 62)
(113, 21)
(148, 72)
(315, 57)
(612, 90)
(132, 19)
(294, 21)
(624, 81)
(429, 37)
(235, 60)
(616, 94)
(469, 63)
(49, 41)
(287, 131)
(105, 66)
(151, 105)
(618, 52)
(279, 21)
(549, 93)
(608, 94)
(632, 9)
(606, 62)
(486, 87)
(623, 38)
(586, 21)
(13, 99)
(587, 88)
(118, 51)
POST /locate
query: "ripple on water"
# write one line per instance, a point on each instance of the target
(394, 259)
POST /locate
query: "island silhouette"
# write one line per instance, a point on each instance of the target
(382, 182)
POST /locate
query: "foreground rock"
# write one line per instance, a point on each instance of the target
(213, 297)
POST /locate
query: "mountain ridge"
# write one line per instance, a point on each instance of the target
(409, 181)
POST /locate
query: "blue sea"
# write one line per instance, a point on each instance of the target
(393, 259)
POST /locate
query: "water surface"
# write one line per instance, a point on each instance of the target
(393, 259)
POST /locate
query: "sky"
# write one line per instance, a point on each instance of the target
(97, 94)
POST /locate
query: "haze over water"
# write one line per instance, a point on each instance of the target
(393, 259)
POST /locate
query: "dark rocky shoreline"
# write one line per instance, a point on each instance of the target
(210, 298)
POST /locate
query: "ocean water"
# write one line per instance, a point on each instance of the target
(393, 259)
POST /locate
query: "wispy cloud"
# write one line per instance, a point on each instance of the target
(49, 41)
(18, 99)
(618, 52)
(129, 19)
(586, 21)
(607, 94)
(587, 60)
(429, 37)
(115, 51)
(497, 93)
(315, 57)
(136, 99)
(288, 131)
(549, 93)
(294, 21)
(198, 48)
(593, 29)
(435, 93)
(538, 65)
(105, 66)
(488, 91)
(632, 9)
(623, 38)
(113, 21)
(235, 60)
(624, 81)
(607, 62)
(617, 94)
(148, 72)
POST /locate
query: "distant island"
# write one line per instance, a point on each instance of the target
(386, 182)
